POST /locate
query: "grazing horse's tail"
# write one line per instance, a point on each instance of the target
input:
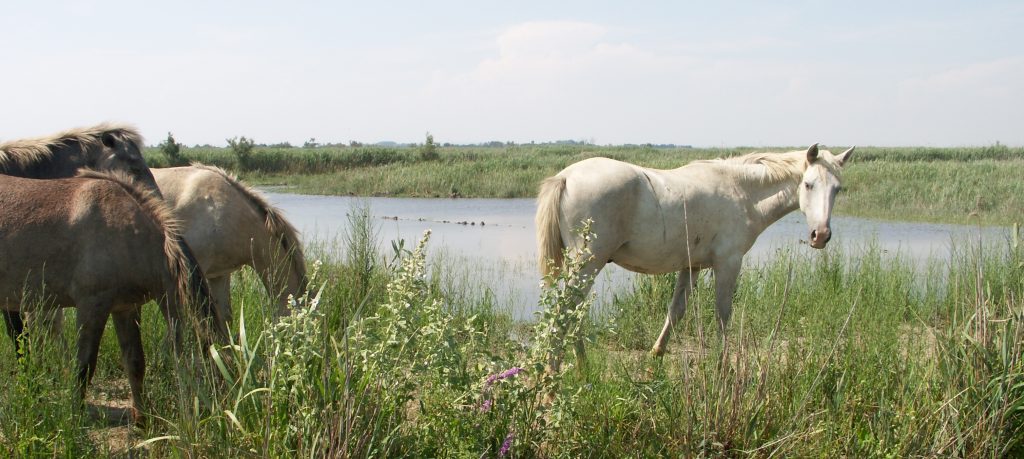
(187, 284)
(549, 235)
(281, 231)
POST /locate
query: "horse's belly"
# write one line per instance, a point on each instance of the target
(659, 260)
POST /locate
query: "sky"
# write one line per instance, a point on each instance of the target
(726, 73)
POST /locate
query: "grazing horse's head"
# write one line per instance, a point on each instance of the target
(120, 149)
(818, 190)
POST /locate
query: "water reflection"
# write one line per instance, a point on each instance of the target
(493, 240)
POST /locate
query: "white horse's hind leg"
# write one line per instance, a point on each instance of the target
(726, 273)
(591, 269)
(685, 283)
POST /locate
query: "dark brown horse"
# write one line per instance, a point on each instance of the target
(104, 147)
(104, 246)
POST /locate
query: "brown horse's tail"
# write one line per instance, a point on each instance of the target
(549, 234)
(281, 230)
(185, 282)
(193, 286)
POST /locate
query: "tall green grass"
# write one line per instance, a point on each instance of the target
(835, 353)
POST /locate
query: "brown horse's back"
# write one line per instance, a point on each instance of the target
(73, 239)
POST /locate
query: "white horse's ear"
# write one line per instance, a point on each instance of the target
(812, 153)
(843, 158)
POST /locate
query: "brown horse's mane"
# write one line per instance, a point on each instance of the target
(275, 222)
(25, 152)
(162, 215)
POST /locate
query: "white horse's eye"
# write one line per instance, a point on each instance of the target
(808, 185)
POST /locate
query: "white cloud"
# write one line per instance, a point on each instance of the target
(571, 80)
(554, 39)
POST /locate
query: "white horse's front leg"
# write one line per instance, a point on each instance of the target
(685, 283)
(726, 273)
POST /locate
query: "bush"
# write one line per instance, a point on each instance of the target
(172, 151)
(242, 147)
(428, 152)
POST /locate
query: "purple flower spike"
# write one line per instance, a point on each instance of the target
(486, 406)
(510, 372)
(507, 444)
(503, 375)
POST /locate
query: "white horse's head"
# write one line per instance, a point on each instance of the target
(818, 192)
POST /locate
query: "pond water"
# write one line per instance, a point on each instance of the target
(490, 243)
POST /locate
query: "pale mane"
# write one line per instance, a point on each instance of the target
(777, 167)
(26, 152)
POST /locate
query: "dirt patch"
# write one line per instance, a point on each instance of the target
(115, 440)
(108, 405)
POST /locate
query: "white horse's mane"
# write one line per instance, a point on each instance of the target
(778, 167)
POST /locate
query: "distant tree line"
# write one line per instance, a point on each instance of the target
(171, 148)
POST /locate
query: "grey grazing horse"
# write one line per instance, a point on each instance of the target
(229, 225)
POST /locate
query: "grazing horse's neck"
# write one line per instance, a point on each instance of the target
(778, 204)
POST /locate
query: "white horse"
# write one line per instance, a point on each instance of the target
(706, 214)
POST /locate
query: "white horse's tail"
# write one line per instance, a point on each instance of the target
(549, 235)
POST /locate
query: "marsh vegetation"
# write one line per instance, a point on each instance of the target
(839, 352)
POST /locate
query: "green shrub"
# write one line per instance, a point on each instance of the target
(428, 151)
(172, 151)
(242, 148)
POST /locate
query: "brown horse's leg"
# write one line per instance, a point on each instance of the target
(91, 320)
(685, 283)
(129, 337)
(15, 327)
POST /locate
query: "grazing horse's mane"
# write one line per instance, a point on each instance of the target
(25, 152)
(276, 224)
(162, 215)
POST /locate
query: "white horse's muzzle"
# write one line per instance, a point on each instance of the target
(820, 237)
